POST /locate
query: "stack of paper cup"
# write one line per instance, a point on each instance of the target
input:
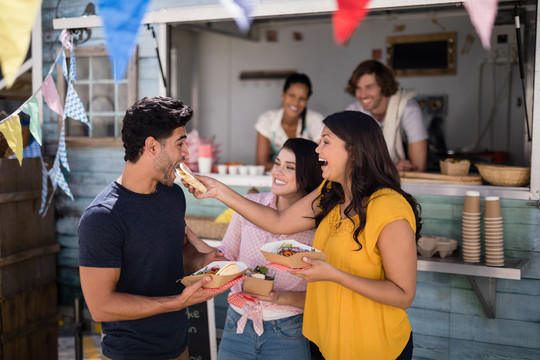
(470, 229)
(493, 232)
(205, 158)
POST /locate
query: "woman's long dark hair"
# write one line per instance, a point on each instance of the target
(297, 78)
(369, 164)
(308, 170)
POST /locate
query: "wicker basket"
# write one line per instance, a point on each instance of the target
(205, 227)
(504, 175)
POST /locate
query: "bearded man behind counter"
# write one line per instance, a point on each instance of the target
(134, 243)
(396, 111)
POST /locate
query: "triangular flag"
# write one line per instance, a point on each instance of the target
(241, 11)
(74, 106)
(16, 21)
(121, 22)
(63, 63)
(61, 151)
(347, 17)
(31, 109)
(50, 94)
(44, 186)
(482, 14)
(13, 133)
(72, 66)
(58, 179)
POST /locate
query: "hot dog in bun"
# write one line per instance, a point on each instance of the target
(229, 269)
(185, 174)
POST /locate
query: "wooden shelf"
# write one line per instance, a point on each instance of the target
(512, 268)
(483, 278)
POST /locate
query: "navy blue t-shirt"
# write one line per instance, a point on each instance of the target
(143, 235)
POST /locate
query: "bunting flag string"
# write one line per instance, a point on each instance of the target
(33, 95)
(12, 130)
(74, 107)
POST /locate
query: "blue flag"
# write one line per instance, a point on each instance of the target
(121, 22)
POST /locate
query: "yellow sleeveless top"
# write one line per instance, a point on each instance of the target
(344, 324)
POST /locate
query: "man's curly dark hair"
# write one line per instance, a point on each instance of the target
(154, 116)
(384, 76)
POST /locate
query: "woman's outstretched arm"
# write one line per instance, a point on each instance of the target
(296, 218)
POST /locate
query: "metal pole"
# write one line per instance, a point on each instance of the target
(158, 56)
(521, 67)
(78, 329)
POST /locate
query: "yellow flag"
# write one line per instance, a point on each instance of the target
(16, 20)
(13, 133)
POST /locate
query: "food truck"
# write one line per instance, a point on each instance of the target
(480, 105)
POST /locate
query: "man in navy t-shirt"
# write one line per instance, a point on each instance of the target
(133, 245)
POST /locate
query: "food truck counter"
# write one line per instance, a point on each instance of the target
(410, 185)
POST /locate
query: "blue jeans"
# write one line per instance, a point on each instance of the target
(282, 339)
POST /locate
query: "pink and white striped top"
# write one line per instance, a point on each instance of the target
(243, 242)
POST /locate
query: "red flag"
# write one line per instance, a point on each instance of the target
(347, 17)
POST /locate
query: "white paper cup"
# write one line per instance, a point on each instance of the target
(233, 169)
(472, 202)
(253, 170)
(205, 165)
(242, 170)
(492, 207)
(222, 169)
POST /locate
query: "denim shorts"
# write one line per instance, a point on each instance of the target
(282, 339)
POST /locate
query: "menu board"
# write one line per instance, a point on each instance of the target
(202, 331)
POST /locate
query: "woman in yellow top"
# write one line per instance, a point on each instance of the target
(368, 226)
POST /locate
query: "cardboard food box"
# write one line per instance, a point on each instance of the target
(455, 167)
(271, 253)
(257, 286)
(254, 285)
(217, 280)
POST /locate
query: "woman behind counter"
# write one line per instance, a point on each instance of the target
(295, 173)
(293, 120)
(368, 227)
